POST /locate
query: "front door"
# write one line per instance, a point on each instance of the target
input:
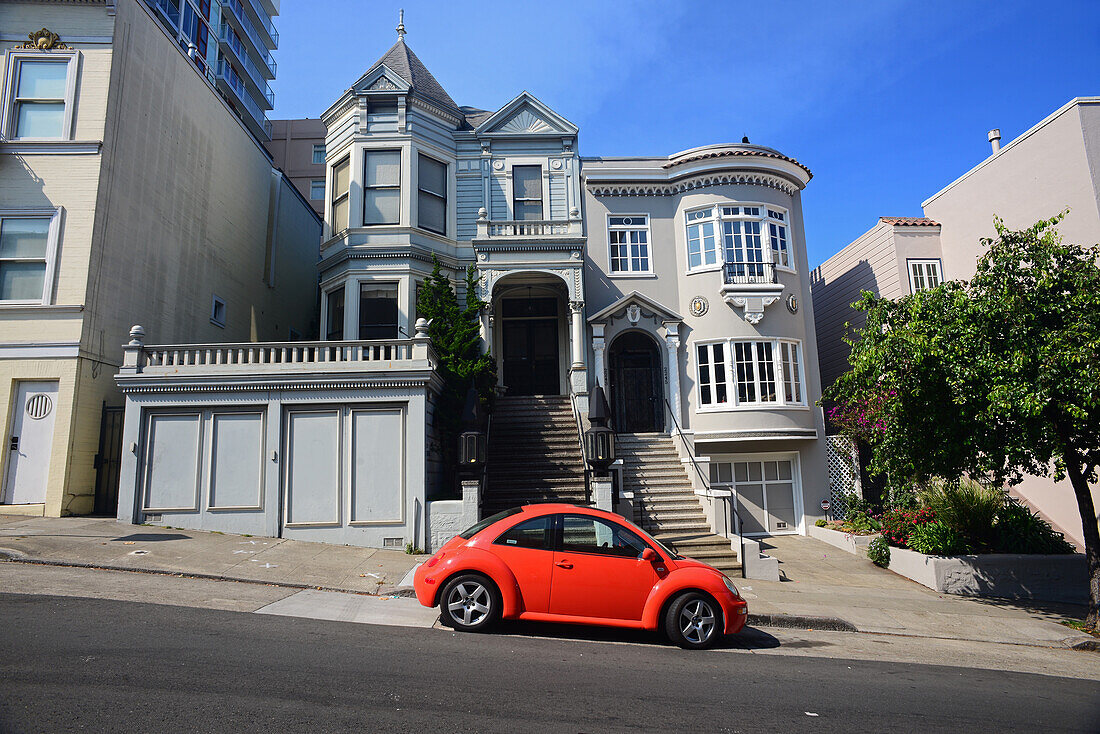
(29, 443)
(598, 571)
(636, 385)
(530, 335)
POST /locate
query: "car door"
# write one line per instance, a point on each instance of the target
(527, 549)
(598, 570)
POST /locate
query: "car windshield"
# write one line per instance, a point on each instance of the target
(671, 553)
(475, 529)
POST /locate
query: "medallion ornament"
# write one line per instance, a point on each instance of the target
(44, 40)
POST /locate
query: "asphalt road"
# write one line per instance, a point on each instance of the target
(96, 665)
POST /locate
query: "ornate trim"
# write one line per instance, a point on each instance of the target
(635, 188)
(44, 40)
(754, 305)
(267, 386)
(799, 433)
(574, 246)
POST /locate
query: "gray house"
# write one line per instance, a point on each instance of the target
(678, 283)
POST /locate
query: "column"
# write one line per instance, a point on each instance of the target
(672, 343)
(576, 309)
(598, 346)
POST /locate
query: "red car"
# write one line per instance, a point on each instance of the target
(564, 563)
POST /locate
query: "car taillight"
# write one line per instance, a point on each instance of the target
(435, 559)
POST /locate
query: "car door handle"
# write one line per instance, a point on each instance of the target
(564, 564)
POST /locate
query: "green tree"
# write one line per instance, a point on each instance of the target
(455, 332)
(998, 377)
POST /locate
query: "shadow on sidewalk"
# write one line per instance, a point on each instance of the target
(750, 638)
(150, 537)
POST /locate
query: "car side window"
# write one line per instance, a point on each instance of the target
(584, 534)
(530, 534)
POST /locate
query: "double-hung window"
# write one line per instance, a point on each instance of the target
(755, 239)
(341, 181)
(628, 238)
(41, 102)
(377, 311)
(702, 243)
(527, 193)
(431, 199)
(382, 187)
(319, 153)
(27, 244)
(317, 189)
(749, 373)
(334, 314)
(924, 275)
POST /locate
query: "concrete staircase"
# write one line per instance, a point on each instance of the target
(534, 454)
(666, 505)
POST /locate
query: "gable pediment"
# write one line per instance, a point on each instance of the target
(640, 304)
(381, 79)
(526, 116)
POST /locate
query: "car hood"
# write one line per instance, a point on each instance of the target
(692, 563)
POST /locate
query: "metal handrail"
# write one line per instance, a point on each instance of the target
(706, 484)
(584, 456)
(748, 272)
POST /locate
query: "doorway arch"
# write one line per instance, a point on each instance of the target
(636, 384)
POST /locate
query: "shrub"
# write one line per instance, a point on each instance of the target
(936, 539)
(1019, 530)
(820, 522)
(879, 552)
(897, 525)
(966, 506)
(863, 523)
(857, 504)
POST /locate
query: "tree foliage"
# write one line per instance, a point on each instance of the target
(455, 332)
(996, 378)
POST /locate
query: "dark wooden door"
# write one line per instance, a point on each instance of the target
(531, 357)
(636, 388)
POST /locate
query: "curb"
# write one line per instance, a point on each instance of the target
(792, 621)
(1091, 644)
(382, 590)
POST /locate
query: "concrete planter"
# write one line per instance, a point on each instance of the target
(1061, 578)
(855, 544)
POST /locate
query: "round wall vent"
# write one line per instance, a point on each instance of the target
(39, 406)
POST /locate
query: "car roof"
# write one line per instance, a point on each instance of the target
(550, 508)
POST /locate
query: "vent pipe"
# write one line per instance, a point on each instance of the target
(995, 139)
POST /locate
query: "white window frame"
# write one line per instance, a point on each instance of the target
(53, 240)
(630, 271)
(318, 148)
(721, 215)
(935, 263)
(14, 59)
(715, 220)
(732, 400)
(445, 196)
(543, 178)
(332, 201)
(403, 173)
(215, 302)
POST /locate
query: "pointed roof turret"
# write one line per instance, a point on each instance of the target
(402, 61)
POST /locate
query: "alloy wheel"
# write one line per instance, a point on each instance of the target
(469, 603)
(697, 621)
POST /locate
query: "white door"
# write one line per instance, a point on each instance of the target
(29, 443)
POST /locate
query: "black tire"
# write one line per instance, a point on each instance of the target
(469, 603)
(686, 621)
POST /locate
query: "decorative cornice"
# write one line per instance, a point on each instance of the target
(351, 253)
(446, 114)
(637, 188)
(570, 245)
(126, 387)
(758, 153)
(777, 434)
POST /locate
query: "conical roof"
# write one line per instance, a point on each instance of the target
(402, 61)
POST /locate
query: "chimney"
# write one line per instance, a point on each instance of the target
(995, 139)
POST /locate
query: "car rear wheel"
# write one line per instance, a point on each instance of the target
(693, 621)
(469, 603)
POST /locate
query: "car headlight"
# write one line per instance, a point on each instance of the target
(729, 584)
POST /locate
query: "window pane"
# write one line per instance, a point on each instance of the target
(591, 535)
(340, 215)
(21, 281)
(432, 176)
(383, 168)
(528, 211)
(377, 311)
(766, 361)
(746, 374)
(316, 189)
(40, 120)
(341, 177)
(318, 153)
(381, 206)
(531, 534)
(527, 182)
(336, 314)
(719, 372)
(43, 79)
(432, 212)
(21, 237)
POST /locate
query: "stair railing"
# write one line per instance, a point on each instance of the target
(584, 456)
(734, 509)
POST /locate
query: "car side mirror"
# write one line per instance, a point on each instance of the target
(650, 555)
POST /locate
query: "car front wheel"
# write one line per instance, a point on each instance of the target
(694, 621)
(469, 603)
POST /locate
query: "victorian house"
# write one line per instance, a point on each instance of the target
(678, 284)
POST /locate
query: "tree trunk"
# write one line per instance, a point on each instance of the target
(1090, 530)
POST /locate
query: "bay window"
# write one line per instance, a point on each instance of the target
(628, 239)
(382, 187)
(754, 241)
(702, 245)
(341, 181)
(431, 201)
(334, 314)
(754, 372)
(377, 311)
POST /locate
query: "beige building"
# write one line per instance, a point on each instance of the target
(1053, 166)
(131, 191)
(298, 150)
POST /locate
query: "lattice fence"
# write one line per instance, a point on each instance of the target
(842, 459)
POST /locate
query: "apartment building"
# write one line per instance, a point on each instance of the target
(133, 189)
(297, 148)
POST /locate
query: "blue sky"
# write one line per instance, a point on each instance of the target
(886, 101)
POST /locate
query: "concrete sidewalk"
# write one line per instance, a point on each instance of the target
(825, 588)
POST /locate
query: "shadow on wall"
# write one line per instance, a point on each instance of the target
(833, 299)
